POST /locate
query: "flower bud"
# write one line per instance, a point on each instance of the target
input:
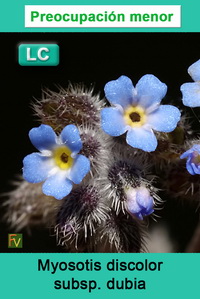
(139, 202)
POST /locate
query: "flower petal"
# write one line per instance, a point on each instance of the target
(150, 91)
(133, 207)
(71, 137)
(190, 168)
(36, 167)
(132, 204)
(164, 119)
(57, 186)
(120, 91)
(43, 137)
(186, 154)
(194, 70)
(195, 147)
(196, 168)
(191, 94)
(144, 200)
(112, 121)
(142, 139)
(79, 169)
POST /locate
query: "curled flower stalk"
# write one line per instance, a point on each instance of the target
(75, 105)
(80, 215)
(120, 233)
(97, 147)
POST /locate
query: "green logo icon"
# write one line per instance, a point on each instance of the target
(15, 240)
(38, 54)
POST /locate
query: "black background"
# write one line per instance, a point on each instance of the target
(92, 58)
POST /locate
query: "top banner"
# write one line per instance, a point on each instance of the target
(103, 16)
(90, 16)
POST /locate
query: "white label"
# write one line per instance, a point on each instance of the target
(102, 16)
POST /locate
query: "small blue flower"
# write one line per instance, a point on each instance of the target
(191, 91)
(57, 163)
(193, 159)
(138, 111)
(139, 202)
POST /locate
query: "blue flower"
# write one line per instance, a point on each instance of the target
(193, 159)
(191, 91)
(138, 111)
(58, 163)
(139, 202)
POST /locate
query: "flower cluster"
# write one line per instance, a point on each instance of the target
(136, 110)
(102, 161)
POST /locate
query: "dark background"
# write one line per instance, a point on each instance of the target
(92, 58)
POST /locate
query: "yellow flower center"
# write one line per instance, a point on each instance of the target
(135, 116)
(62, 157)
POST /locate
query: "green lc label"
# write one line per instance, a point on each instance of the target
(38, 54)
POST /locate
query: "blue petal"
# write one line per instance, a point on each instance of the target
(150, 91)
(196, 168)
(43, 137)
(57, 186)
(194, 71)
(135, 210)
(120, 91)
(186, 154)
(142, 139)
(79, 169)
(148, 212)
(164, 119)
(133, 206)
(144, 199)
(146, 205)
(190, 168)
(112, 121)
(191, 94)
(195, 148)
(71, 137)
(36, 167)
